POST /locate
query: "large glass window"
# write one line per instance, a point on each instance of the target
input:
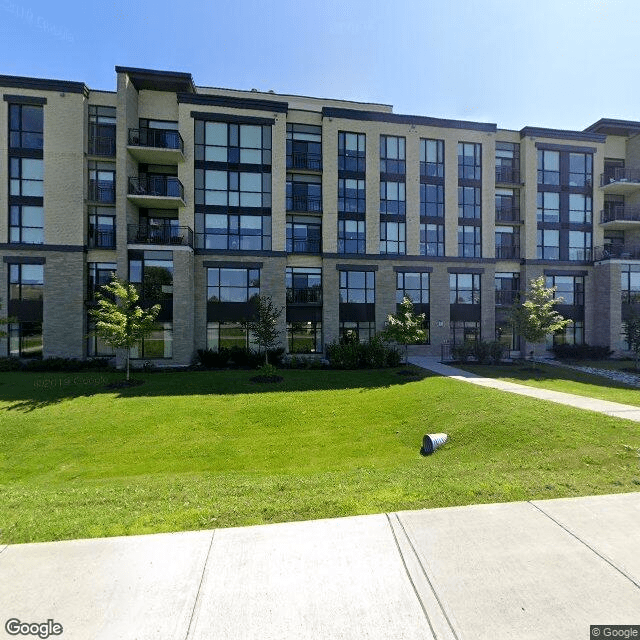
(351, 196)
(26, 177)
(102, 130)
(351, 236)
(392, 154)
(392, 198)
(469, 241)
(464, 288)
(153, 275)
(431, 200)
(25, 339)
(102, 227)
(630, 283)
(237, 232)
(304, 146)
(102, 182)
(469, 161)
(507, 243)
(26, 224)
(100, 273)
(432, 158)
(232, 285)
(157, 345)
(431, 239)
(507, 162)
(507, 205)
(26, 282)
(25, 126)
(548, 244)
(548, 206)
(304, 285)
(464, 331)
(413, 285)
(580, 169)
(96, 346)
(229, 334)
(580, 245)
(232, 143)
(469, 202)
(569, 288)
(304, 337)
(580, 209)
(304, 234)
(548, 167)
(393, 238)
(351, 152)
(357, 331)
(357, 286)
(232, 188)
(507, 288)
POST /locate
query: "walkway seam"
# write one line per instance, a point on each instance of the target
(195, 602)
(426, 575)
(586, 544)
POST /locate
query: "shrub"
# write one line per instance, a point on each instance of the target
(496, 351)
(239, 356)
(350, 354)
(463, 352)
(66, 365)
(10, 364)
(581, 352)
(214, 359)
(394, 357)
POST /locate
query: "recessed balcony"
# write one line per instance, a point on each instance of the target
(304, 295)
(304, 161)
(156, 146)
(508, 214)
(620, 217)
(617, 252)
(509, 252)
(507, 175)
(304, 203)
(620, 180)
(159, 235)
(156, 192)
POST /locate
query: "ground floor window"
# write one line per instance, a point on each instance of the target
(572, 334)
(25, 339)
(229, 334)
(304, 337)
(157, 345)
(461, 332)
(96, 346)
(357, 331)
(506, 334)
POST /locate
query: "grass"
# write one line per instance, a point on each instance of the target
(560, 379)
(210, 449)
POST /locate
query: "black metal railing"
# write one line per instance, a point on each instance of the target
(619, 174)
(508, 253)
(617, 251)
(304, 246)
(508, 214)
(506, 297)
(165, 234)
(507, 175)
(301, 160)
(306, 295)
(620, 212)
(102, 191)
(304, 203)
(160, 186)
(157, 138)
(102, 146)
(102, 239)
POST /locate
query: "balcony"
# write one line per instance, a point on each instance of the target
(506, 297)
(304, 246)
(306, 161)
(508, 252)
(620, 180)
(156, 192)
(617, 252)
(102, 146)
(508, 214)
(620, 217)
(103, 191)
(308, 295)
(507, 175)
(159, 235)
(304, 203)
(102, 239)
(156, 146)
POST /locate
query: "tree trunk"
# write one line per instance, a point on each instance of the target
(266, 356)
(128, 352)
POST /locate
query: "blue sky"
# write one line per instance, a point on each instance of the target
(552, 63)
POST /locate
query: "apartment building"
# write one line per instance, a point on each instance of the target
(205, 198)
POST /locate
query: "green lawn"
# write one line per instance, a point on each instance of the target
(560, 379)
(202, 450)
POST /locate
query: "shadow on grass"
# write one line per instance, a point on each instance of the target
(26, 391)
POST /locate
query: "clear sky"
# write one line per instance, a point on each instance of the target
(552, 63)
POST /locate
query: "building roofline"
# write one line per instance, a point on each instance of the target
(154, 79)
(44, 84)
(561, 134)
(233, 102)
(614, 127)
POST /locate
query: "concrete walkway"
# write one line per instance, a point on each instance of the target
(615, 409)
(525, 570)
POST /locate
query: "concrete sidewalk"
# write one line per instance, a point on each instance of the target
(615, 409)
(543, 569)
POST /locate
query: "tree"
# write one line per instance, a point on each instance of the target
(535, 318)
(264, 326)
(405, 327)
(120, 322)
(631, 328)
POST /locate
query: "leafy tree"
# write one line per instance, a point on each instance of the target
(631, 328)
(264, 326)
(405, 327)
(120, 322)
(535, 318)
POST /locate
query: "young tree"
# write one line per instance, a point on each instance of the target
(535, 318)
(120, 322)
(631, 328)
(264, 326)
(405, 327)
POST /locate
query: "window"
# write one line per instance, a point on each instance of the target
(580, 245)
(469, 242)
(304, 234)
(351, 196)
(571, 334)
(26, 224)
(569, 288)
(25, 126)
(232, 143)
(102, 130)
(464, 331)
(431, 200)
(157, 345)
(580, 169)
(304, 337)
(152, 273)
(351, 236)
(507, 243)
(432, 158)
(304, 193)
(630, 283)
(392, 198)
(102, 228)
(507, 162)
(304, 147)
(413, 285)
(548, 244)
(431, 239)
(96, 346)
(392, 154)
(304, 285)
(357, 331)
(507, 205)
(548, 206)
(232, 188)
(464, 288)
(579, 208)
(232, 285)
(25, 339)
(225, 335)
(357, 287)
(507, 288)
(469, 202)
(100, 273)
(102, 180)
(469, 161)
(393, 238)
(351, 152)
(236, 232)
(26, 282)
(548, 167)
(26, 177)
